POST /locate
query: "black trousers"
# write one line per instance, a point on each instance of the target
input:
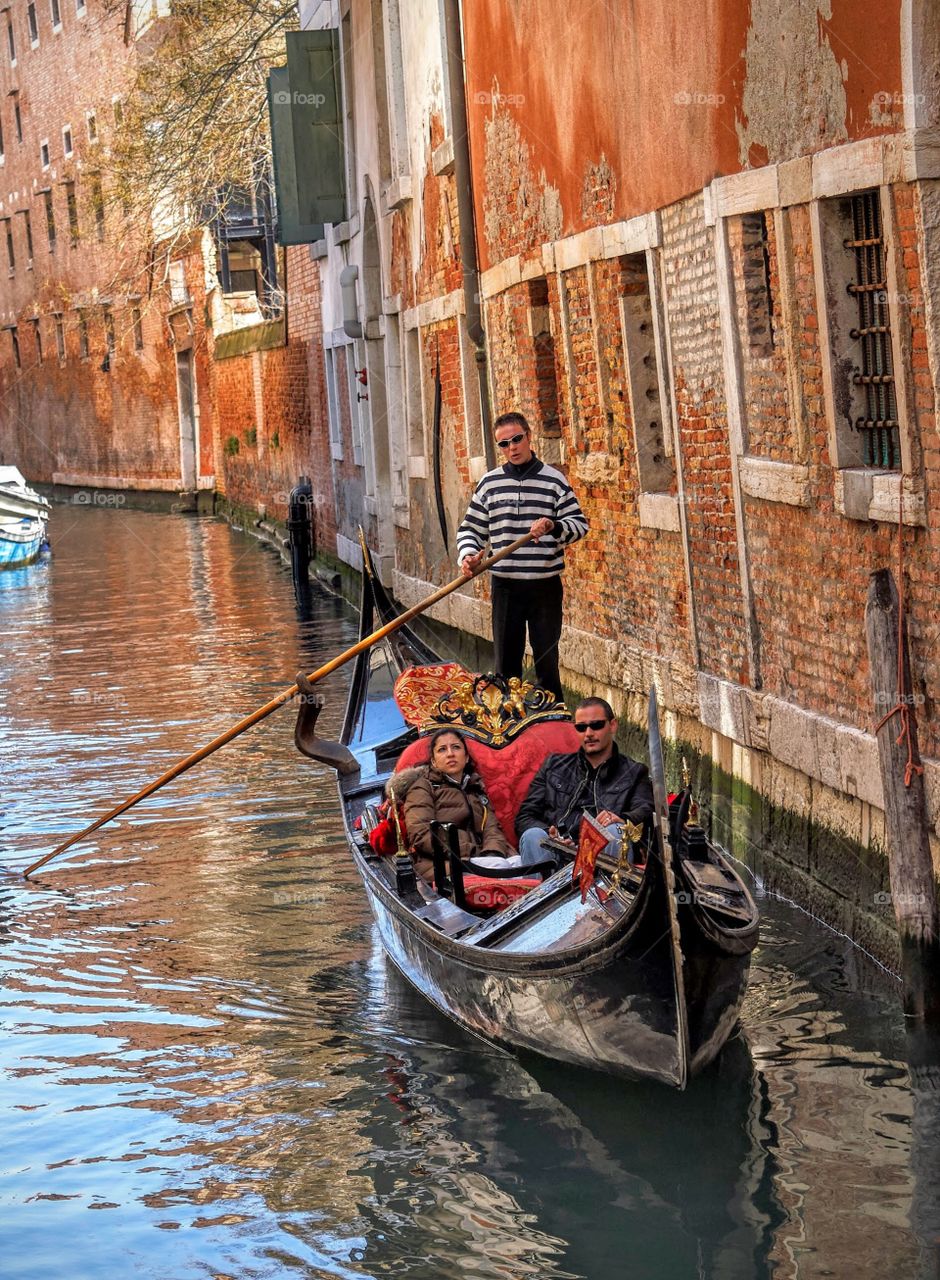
(516, 605)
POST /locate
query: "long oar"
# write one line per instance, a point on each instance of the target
(284, 696)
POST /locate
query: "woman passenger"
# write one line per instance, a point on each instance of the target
(449, 789)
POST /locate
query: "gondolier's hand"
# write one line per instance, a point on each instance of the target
(607, 819)
(556, 835)
(470, 564)
(541, 527)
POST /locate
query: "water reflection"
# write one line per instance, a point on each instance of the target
(203, 1041)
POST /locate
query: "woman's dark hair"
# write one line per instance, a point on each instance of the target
(443, 733)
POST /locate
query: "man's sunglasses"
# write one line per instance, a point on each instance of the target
(580, 727)
(504, 444)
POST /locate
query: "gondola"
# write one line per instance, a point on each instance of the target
(643, 978)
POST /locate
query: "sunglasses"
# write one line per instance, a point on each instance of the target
(504, 444)
(581, 726)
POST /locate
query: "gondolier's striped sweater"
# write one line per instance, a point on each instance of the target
(503, 507)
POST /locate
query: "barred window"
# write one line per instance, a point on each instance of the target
(874, 374)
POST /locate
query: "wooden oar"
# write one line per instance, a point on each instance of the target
(284, 696)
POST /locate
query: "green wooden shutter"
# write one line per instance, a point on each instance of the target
(289, 228)
(306, 106)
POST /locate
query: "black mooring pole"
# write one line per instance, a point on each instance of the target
(301, 537)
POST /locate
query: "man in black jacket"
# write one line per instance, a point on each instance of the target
(597, 779)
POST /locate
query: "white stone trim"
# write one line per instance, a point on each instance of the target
(823, 329)
(863, 494)
(442, 157)
(501, 277)
(900, 332)
(633, 236)
(870, 162)
(434, 310)
(349, 551)
(397, 193)
(336, 338)
(577, 251)
(465, 612)
(392, 306)
(737, 428)
(773, 481)
(839, 170)
(418, 467)
(659, 511)
(341, 232)
(594, 245)
(87, 480)
(795, 181)
(745, 192)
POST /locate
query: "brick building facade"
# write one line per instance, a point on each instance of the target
(123, 364)
(89, 389)
(710, 290)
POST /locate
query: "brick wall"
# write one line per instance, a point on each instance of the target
(769, 422)
(69, 417)
(270, 411)
(810, 566)
(692, 306)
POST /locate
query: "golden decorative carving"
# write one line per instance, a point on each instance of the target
(493, 710)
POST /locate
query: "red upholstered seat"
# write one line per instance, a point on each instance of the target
(506, 771)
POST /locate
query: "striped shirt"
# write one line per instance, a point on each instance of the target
(503, 508)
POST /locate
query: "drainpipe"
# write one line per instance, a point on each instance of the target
(453, 40)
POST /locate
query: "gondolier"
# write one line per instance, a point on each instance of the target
(522, 496)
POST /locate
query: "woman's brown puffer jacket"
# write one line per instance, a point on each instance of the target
(430, 796)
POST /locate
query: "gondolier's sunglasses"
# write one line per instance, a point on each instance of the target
(504, 444)
(581, 726)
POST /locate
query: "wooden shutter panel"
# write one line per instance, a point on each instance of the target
(306, 108)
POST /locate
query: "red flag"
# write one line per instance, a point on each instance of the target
(592, 837)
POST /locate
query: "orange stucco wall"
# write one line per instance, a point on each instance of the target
(608, 110)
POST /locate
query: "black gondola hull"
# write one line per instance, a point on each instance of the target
(615, 1009)
(646, 983)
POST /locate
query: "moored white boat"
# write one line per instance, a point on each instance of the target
(23, 515)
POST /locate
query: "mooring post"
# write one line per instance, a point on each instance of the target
(910, 867)
(302, 537)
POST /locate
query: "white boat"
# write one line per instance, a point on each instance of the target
(23, 515)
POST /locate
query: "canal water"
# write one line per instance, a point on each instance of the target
(209, 1070)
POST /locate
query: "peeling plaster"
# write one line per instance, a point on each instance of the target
(519, 212)
(598, 193)
(794, 99)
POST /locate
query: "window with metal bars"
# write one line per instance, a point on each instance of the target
(874, 375)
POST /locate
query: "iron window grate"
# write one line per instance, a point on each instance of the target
(875, 374)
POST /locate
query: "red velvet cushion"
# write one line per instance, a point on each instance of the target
(508, 771)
